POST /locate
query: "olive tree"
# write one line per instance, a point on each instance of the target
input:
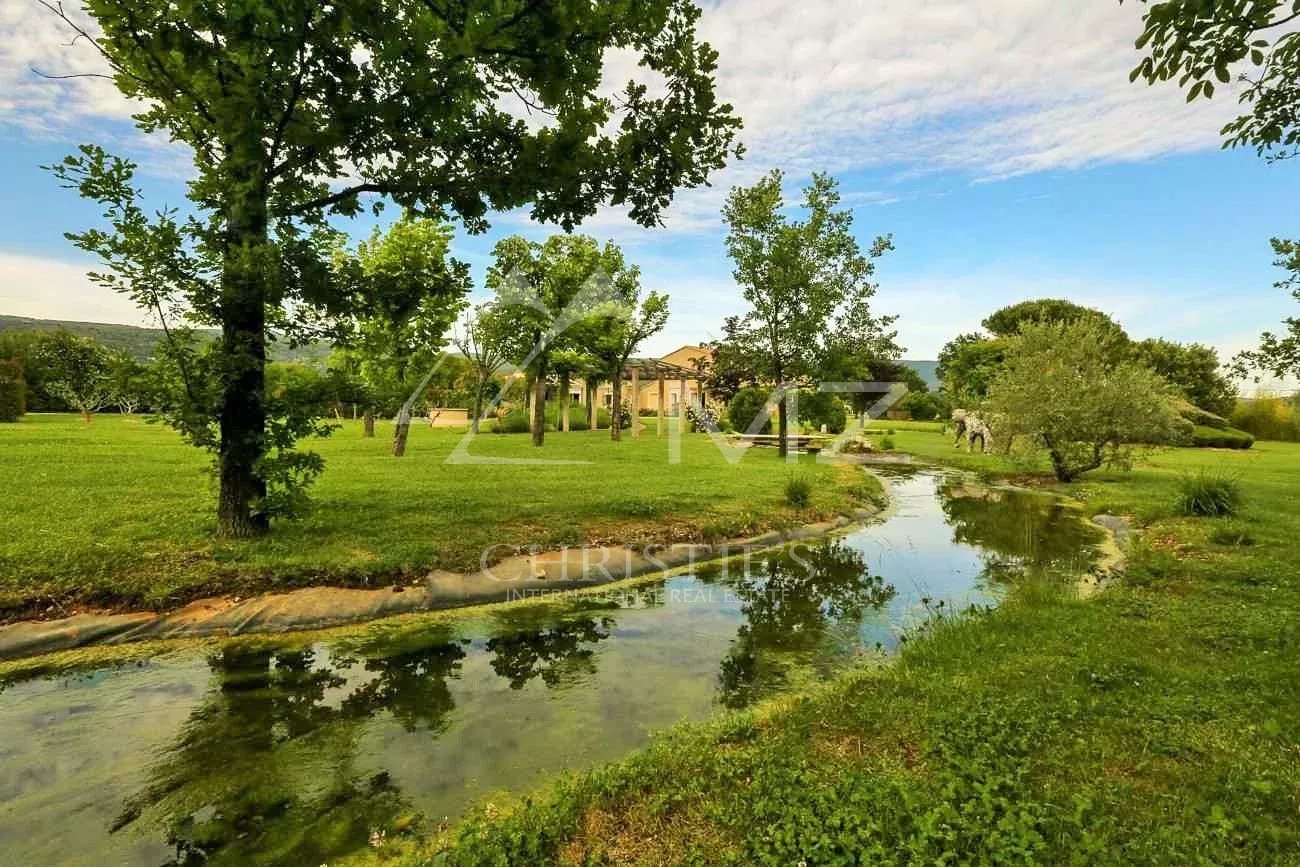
(1061, 391)
(297, 113)
(483, 337)
(617, 328)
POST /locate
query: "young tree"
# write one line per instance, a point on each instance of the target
(618, 328)
(127, 382)
(1065, 393)
(78, 371)
(804, 280)
(546, 289)
(484, 339)
(299, 112)
(414, 290)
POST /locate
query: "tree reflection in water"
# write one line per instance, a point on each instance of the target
(1016, 530)
(791, 603)
(533, 644)
(265, 771)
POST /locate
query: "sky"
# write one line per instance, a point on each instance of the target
(1000, 142)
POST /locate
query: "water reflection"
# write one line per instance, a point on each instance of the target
(790, 604)
(286, 752)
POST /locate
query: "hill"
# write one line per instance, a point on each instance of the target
(927, 370)
(139, 342)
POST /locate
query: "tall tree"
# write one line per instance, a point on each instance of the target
(619, 327)
(1193, 370)
(484, 338)
(297, 112)
(1257, 42)
(804, 281)
(547, 289)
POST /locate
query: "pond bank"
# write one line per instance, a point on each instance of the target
(310, 608)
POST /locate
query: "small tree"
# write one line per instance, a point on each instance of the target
(619, 327)
(1066, 394)
(807, 283)
(78, 371)
(483, 338)
(1279, 354)
(127, 382)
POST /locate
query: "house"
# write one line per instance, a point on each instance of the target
(677, 373)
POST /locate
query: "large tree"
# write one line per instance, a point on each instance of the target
(1256, 42)
(1193, 370)
(807, 283)
(1065, 394)
(297, 112)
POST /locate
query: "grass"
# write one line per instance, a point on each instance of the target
(120, 512)
(1156, 723)
(1209, 495)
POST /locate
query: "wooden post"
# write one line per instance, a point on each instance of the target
(564, 402)
(636, 403)
(663, 396)
(681, 408)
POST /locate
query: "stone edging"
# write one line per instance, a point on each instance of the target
(515, 578)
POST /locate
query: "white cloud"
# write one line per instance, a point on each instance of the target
(44, 288)
(991, 88)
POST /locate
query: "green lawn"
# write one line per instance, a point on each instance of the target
(120, 512)
(1156, 723)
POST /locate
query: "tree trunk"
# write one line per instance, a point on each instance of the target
(616, 409)
(564, 402)
(593, 412)
(242, 414)
(402, 431)
(478, 408)
(368, 423)
(539, 408)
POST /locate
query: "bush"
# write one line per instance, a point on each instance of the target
(745, 407)
(515, 421)
(701, 419)
(925, 405)
(1232, 535)
(13, 391)
(1212, 438)
(1209, 495)
(817, 408)
(887, 443)
(1200, 417)
(798, 491)
(1269, 418)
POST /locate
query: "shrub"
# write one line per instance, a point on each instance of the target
(817, 408)
(1200, 417)
(745, 407)
(1232, 535)
(887, 443)
(925, 405)
(1212, 438)
(1209, 495)
(1269, 418)
(701, 419)
(515, 421)
(13, 391)
(798, 491)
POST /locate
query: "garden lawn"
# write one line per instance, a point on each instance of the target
(1156, 723)
(120, 512)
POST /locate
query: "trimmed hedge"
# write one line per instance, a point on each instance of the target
(1212, 438)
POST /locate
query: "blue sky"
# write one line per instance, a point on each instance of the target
(999, 141)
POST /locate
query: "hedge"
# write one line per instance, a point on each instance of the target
(1213, 438)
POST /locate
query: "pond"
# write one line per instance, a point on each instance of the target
(294, 751)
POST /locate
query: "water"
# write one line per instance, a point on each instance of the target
(284, 751)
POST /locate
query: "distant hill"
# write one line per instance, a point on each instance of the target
(139, 342)
(927, 369)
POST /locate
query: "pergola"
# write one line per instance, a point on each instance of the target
(637, 369)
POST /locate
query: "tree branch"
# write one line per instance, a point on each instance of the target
(341, 196)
